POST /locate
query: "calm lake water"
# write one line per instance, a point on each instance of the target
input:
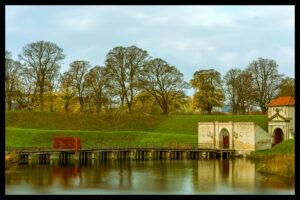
(227, 176)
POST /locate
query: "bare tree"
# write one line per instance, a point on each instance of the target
(76, 74)
(164, 82)
(96, 81)
(266, 81)
(123, 66)
(12, 76)
(240, 90)
(27, 95)
(286, 88)
(245, 92)
(231, 82)
(44, 58)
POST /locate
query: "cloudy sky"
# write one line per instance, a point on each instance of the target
(189, 37)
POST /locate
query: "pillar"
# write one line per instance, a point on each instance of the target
(112, 155)
(33, 157)
(217, 133)
(231, 136)
(54, 156)
(149, 155)
(75, 156)
(168, 155)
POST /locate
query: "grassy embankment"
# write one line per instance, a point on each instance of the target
(36, 129)
(279, 160)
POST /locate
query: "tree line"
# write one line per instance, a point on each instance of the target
(132, 81)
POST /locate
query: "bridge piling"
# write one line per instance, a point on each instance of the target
(64, 156)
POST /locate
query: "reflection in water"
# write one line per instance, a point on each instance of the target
(214, 176)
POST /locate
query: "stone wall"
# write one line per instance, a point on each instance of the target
(205, 133)
(245, 141)
(244, 137)
(292, 122)
(262, 139)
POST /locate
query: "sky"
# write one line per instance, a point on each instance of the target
(191, 38)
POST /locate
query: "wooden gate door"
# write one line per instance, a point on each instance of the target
(225, 141)
(278, 136)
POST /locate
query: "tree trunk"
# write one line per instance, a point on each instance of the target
(51, 108)
(42, 102)
(97, 107)
(9, 104)
(66, 106)
(263, 109)
(122, 103)
(100, 106)
(209, 110)
(165, 109)
(81, 104)
(129, 108)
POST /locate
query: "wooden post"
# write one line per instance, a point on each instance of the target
(76, 144)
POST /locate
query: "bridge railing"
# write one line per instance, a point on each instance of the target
(102, 145)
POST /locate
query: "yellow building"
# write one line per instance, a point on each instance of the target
(281, 119)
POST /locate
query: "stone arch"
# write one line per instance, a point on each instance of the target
(224, 138)
(278, 136)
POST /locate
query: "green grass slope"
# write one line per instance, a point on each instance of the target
(37, 129)
(37, 138)
(176, 124)
(284, 147)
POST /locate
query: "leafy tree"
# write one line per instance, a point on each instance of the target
(123, 65)
(209, 93)
(164, 82)
(266, 81)
(286, 88)
(44, 59)
(145, 103)
(186, 106)
(77, 76)
(67, 92)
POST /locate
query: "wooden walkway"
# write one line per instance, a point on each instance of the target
(48, 150)
(42, 155)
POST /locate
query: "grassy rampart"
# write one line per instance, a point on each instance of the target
(37, 129)
(279, 160)
(182, 124)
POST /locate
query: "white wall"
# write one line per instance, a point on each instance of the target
(245, 140)
(204, 131)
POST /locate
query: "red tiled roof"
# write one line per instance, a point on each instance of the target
(283, 101)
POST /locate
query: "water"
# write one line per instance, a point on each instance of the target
(215, 176)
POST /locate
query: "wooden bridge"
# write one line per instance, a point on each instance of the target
(199, 151)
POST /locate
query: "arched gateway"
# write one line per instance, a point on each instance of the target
(224, 138)
(278, 136)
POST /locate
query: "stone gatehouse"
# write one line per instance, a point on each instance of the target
(244, 137)
(281, 119)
